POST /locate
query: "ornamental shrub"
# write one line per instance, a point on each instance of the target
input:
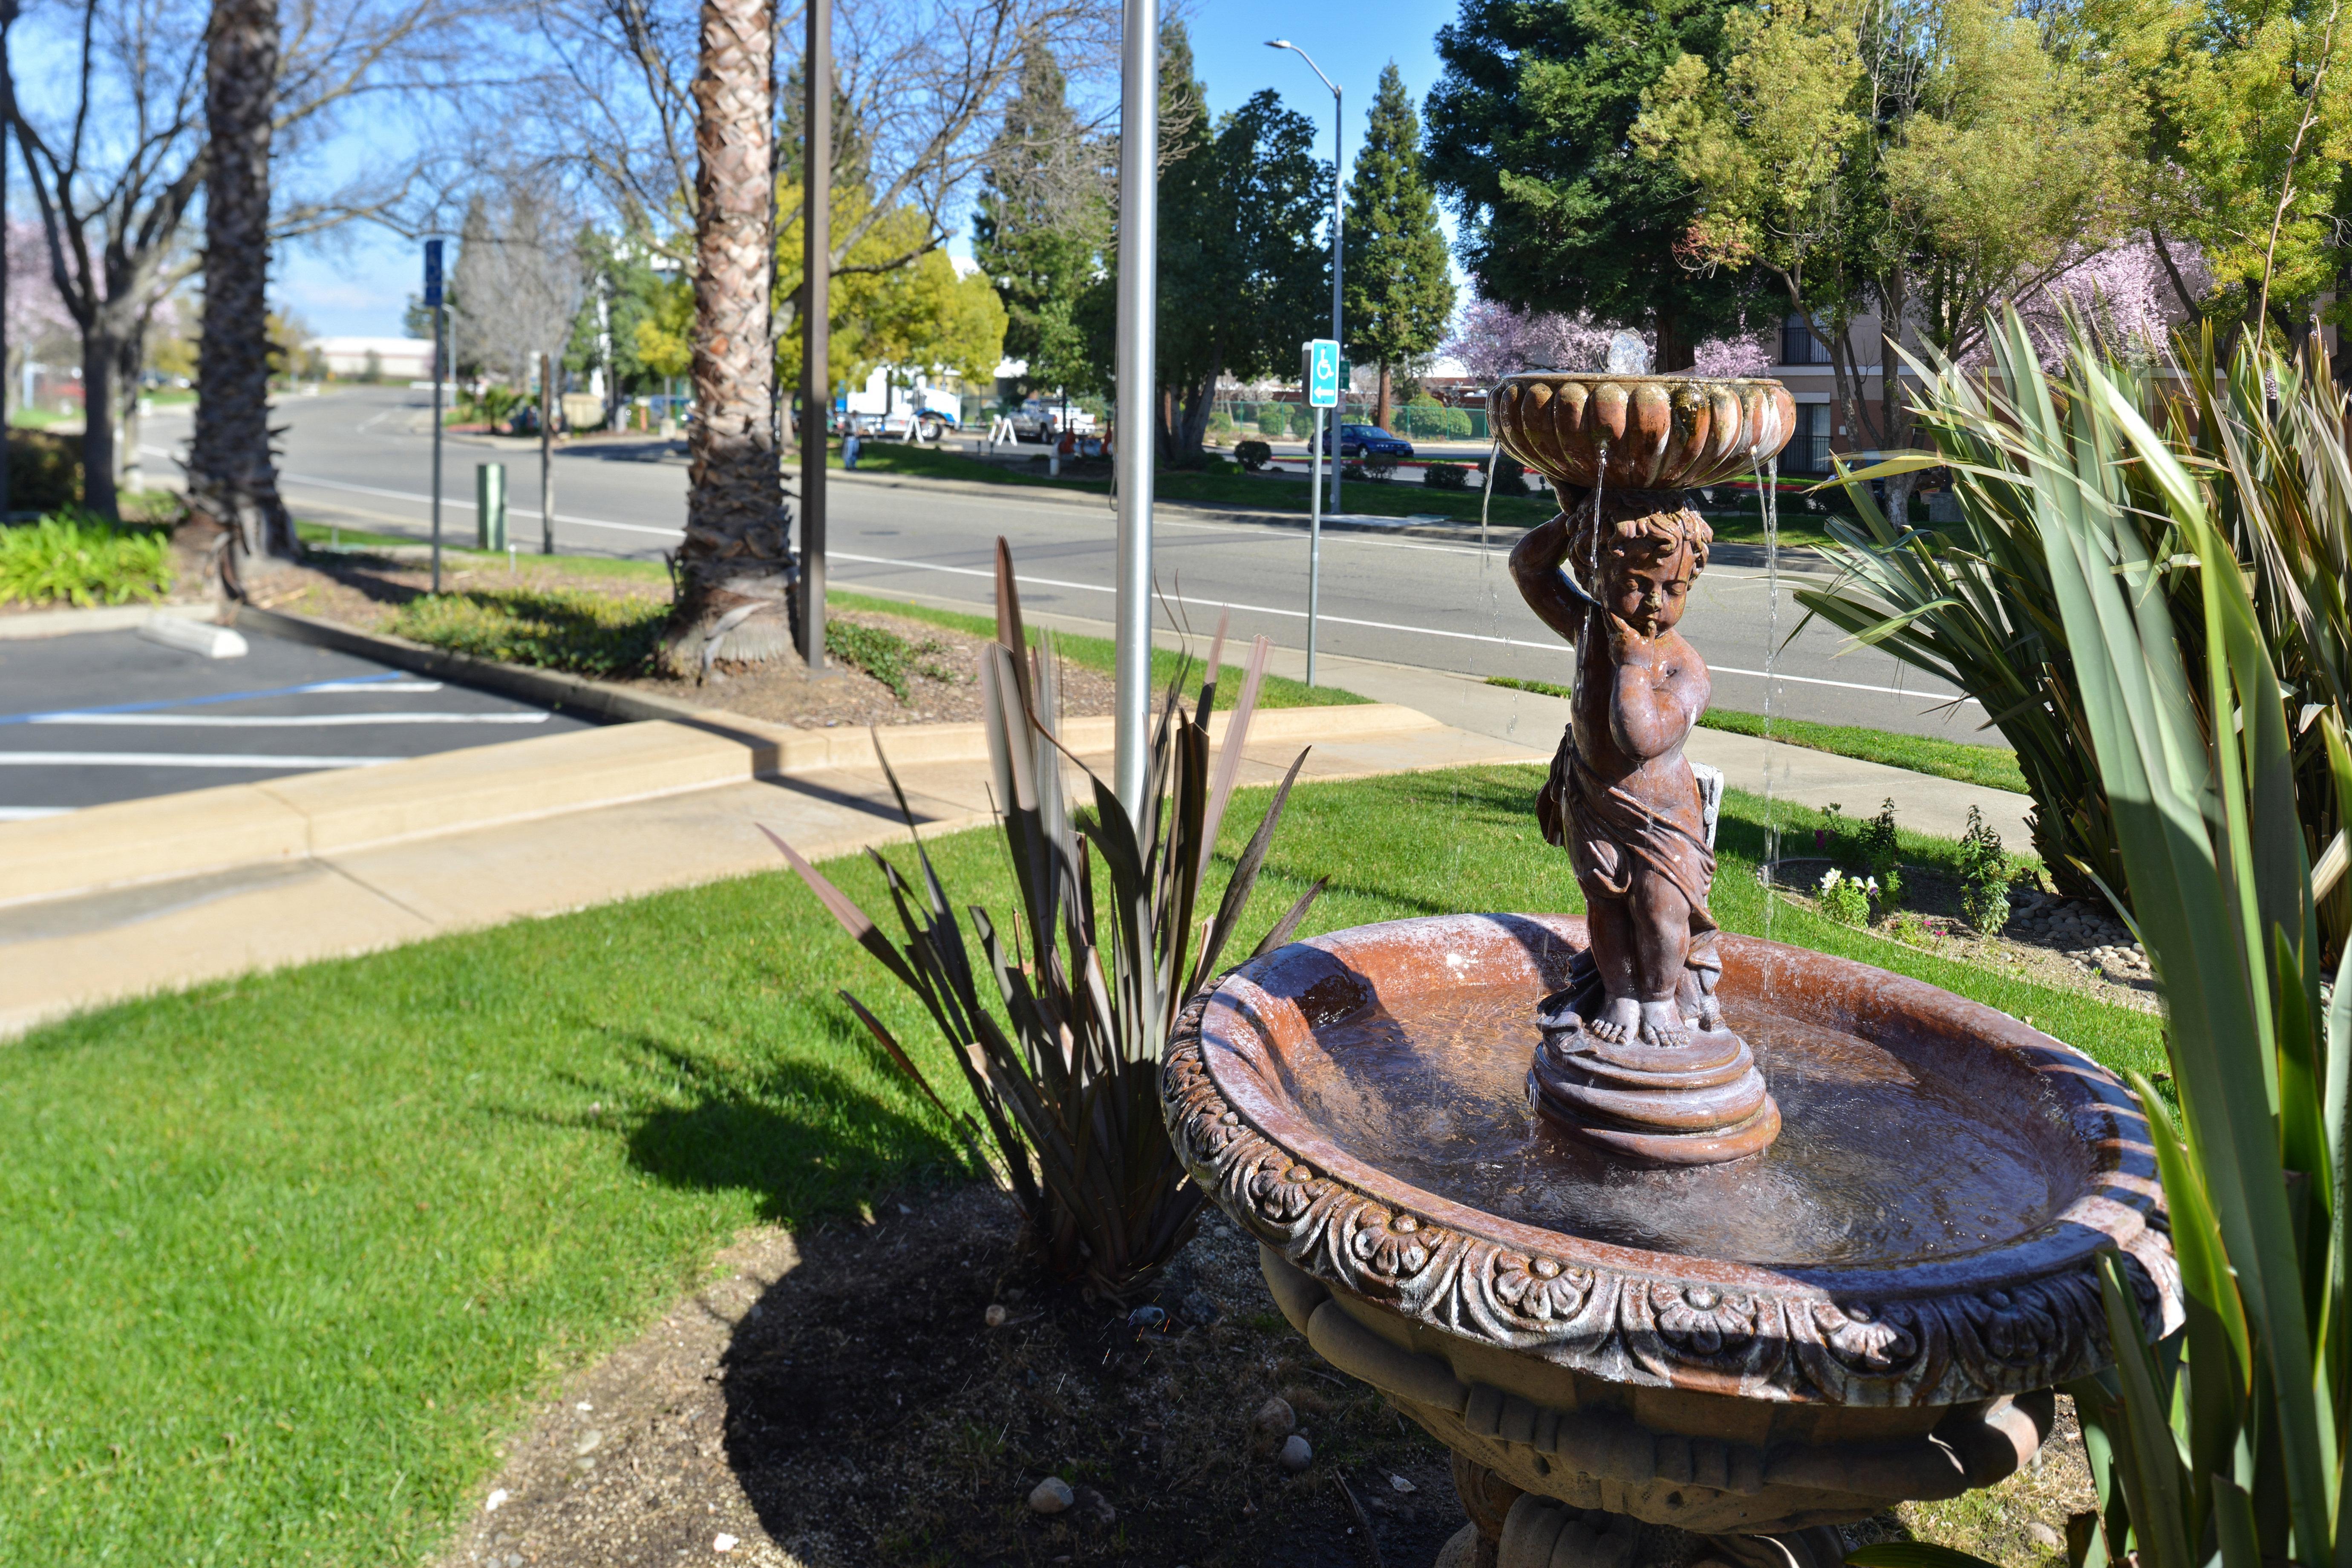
(1447, 476)
(1253, 455)
(1984, 876)
(75, 557)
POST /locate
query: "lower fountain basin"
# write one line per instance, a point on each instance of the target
(1769, 1343)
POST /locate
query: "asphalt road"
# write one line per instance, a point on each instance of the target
(362, 456)
(104, 716)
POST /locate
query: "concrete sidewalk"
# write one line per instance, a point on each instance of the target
(1525, 719)
(151, 895)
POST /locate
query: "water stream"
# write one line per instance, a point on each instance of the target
(1768, 498)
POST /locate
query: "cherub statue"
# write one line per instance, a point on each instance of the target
(1621, 798)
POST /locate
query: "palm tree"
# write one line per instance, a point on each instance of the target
(735, 570)
(232, 477)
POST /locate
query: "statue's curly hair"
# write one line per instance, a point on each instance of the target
(1638, 529)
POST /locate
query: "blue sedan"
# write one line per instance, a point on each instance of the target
(1367, 441)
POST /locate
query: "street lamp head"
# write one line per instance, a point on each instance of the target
(1278, 43)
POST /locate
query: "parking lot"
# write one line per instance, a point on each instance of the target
(96, 717)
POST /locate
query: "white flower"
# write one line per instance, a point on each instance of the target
(1830, 879)
(1870, 886)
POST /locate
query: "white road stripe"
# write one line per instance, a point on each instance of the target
(29, 813)
(180, 760)
(512, 512)
(1375, 625)
(369, 687)
(281, 720)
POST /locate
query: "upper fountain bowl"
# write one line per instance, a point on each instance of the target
(1656, 432)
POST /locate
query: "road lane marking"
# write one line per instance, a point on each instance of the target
(282, 720)
(29, 813)
(1383, 626)
(390, 680)
(180, 760)
(512, 512)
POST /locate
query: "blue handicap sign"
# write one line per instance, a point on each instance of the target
(1322, 373)
(431, 274)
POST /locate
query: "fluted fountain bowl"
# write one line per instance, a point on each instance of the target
(1658, 432)
(1875, 1309)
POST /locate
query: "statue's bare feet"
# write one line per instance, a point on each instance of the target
(1663, 1025)
(1620, 1017)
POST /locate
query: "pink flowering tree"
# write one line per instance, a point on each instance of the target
(2124, 292)
(36, 314)
(1491, 341)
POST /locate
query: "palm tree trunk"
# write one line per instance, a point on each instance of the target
(735, 572)
(232, 477)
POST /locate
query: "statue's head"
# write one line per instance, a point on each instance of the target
(1646, 564)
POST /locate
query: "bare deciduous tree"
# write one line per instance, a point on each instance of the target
(114, 138)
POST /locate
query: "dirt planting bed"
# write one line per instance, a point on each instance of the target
(841, 1398)
(940, 666)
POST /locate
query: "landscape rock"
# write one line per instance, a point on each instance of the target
(1052, 1495)
(1275, 1416)
(1296, 1453)
(995, 1316)
(2044, 1537)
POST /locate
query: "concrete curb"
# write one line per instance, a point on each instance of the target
(100, 618)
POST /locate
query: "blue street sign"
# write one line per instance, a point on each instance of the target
(431, 274)
(1322, 373)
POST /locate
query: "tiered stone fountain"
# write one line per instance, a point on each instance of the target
(1648, 1224)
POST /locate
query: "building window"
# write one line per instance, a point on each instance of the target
(1798, 345)
(1809, 450)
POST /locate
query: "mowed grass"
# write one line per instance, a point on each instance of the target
(289, 1256)
(1994, 767)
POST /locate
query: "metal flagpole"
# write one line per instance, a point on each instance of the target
(1138, 271)
(816, 322)
(440, 360)
(548, 405)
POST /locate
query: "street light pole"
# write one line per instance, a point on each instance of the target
(1138, 292)
(1338, 149)
(816, 324)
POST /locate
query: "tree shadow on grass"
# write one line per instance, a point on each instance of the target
(805, 1137)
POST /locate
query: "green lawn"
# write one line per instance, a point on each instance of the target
(1994, 767)
(289, 1256)
(1403, 497)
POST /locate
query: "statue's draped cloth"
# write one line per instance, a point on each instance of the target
(1606, 831)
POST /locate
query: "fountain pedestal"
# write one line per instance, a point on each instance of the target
(1874, 1309)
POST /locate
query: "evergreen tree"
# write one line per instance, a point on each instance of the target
(1040, 225)
(1399, 295)
(1529, 138)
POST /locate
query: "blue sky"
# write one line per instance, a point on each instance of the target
(359, 281)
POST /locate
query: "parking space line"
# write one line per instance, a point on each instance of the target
(180, 760)
(390, 680)
(280, 721)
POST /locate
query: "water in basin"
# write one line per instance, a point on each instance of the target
(1881, 1157)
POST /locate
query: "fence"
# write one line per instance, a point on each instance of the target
(1294, 421)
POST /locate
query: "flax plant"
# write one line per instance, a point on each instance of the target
(1973, 603)
(2223, 1444)
(1060, 1025)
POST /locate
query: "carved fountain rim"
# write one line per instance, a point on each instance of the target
(2005, 1318)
